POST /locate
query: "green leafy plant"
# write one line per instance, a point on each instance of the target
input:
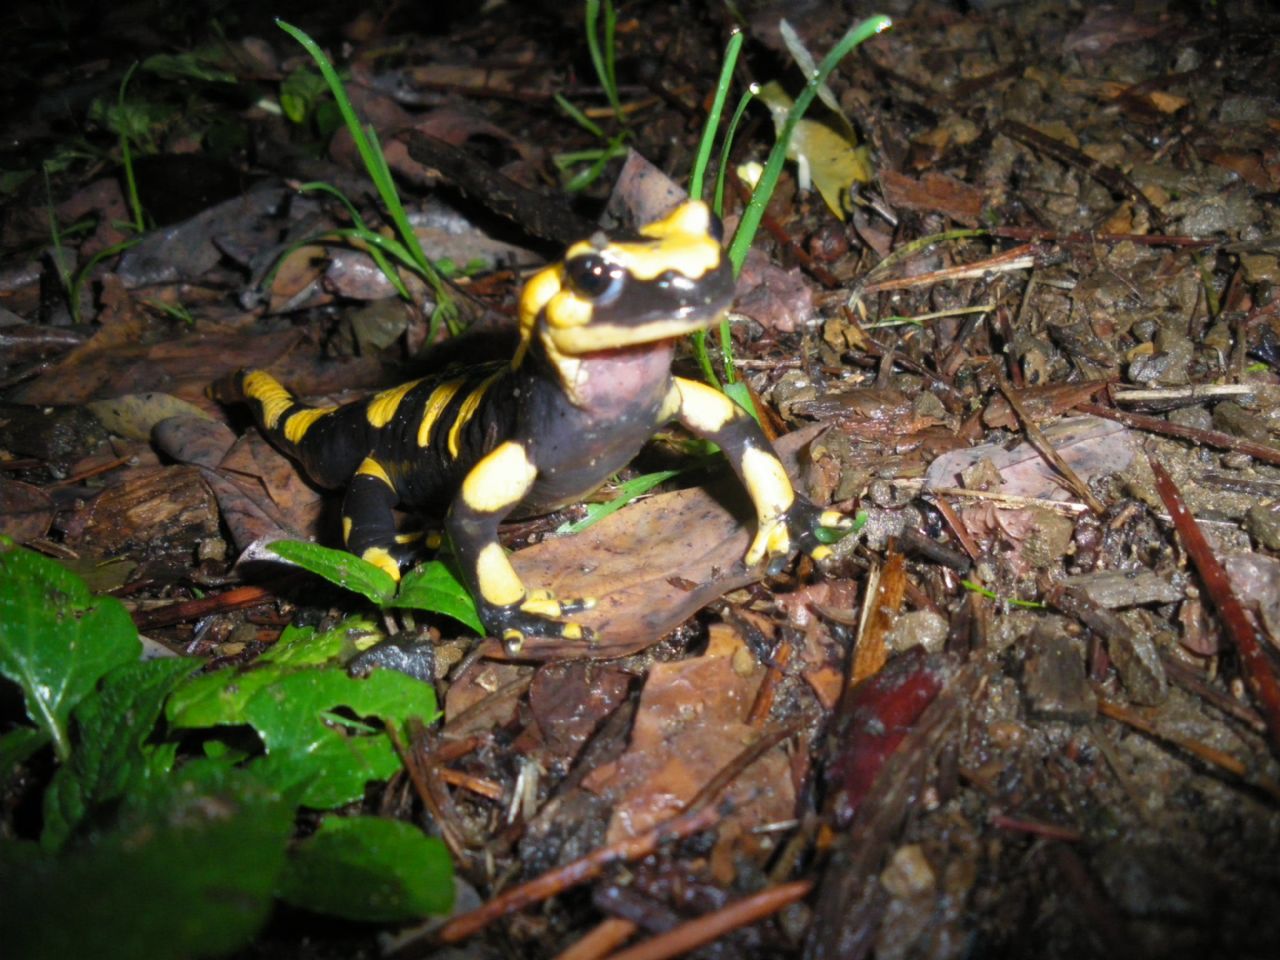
(149, 849)
(202, 65)
(57, 652)
(598, 157)
(310, 716)
(368, 869)
(375, 162)
(305, 100)
(362, 235)
(134, 122)
(432, 586)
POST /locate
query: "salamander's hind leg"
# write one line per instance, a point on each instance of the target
(368, 521)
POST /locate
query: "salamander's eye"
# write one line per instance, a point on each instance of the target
(595, 277)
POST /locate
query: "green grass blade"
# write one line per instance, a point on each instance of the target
(370, 150)
(718, 204)
(375, 241)
(723, 84)
(754, 212)
(603, 61)
(578, 117)
(626, 493)
(126, 159)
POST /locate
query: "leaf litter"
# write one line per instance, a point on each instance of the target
(1089, 772)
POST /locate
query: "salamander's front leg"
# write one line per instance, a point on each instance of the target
(490, 491)
(782, 513)
(368, 523)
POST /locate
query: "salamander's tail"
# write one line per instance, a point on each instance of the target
(328, 446)
(281, 416)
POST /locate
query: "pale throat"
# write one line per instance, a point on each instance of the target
(608, 382)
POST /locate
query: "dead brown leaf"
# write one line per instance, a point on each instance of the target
(690, 726)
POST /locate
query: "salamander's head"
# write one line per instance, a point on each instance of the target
(607, 294)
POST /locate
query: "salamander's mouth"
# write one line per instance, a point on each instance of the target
(605, 337)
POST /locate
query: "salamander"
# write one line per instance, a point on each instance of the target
(588, 385)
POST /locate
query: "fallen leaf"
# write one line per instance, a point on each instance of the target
(26, 511)
(829, 157)
(1092, 447)
(935, 192)
(690, 725)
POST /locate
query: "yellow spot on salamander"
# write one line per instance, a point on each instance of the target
(382, 407)
(691, 219)
(382, 559)
(567, 309)
(273, 398)
(369, 467)
(548, 607)
(434, 406)
(771, 492)
(537, 293)
(297, 425)
(346, 530)
(500, 480)
(498, 581)
(703, 409)
(681, 242)
(467, 411)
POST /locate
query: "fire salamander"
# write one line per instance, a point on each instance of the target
(589, 384)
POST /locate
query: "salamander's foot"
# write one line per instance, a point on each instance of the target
(797, 526)
(539, 614)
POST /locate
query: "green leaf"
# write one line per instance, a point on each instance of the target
(436, 587)
(299, 93)
(331, 757)
(340, 568)
(302, 646)
(190, 872)
(112, 755)
(56, 639)
(369, 869)
(219, 698)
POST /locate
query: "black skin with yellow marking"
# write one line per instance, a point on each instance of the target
(589, 385)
